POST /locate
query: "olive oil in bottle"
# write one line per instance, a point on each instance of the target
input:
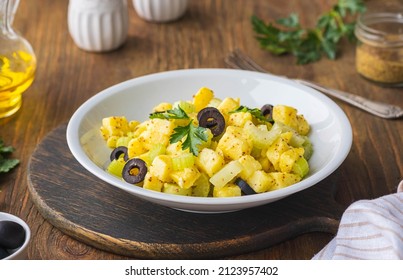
(17, 73)
(17, 61)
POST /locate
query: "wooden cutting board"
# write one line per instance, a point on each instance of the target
(103, 216)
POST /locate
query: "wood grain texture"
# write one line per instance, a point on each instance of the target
(68, 76)
(105, 217)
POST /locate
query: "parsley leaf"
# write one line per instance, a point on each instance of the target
(6, 164)
(309, 44)
(256, 113)
(192, 135)
(175, 113)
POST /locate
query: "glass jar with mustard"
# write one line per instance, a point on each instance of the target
(379, 53)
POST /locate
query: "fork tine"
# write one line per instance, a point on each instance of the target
(239, 60)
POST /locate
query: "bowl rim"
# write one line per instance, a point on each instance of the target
(14, 218)
(73, 126)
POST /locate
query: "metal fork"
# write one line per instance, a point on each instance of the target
(239, 60)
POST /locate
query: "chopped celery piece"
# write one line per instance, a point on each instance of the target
(296, 140)
(156, 150)
(201, 186)
(308, 148)
(226, 174)
(185, 106)
(214, 102)
(261, 138)
(301, 167)
(183, 161)
(115, 167)
(123, 141)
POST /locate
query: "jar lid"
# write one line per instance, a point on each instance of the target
(380, 29)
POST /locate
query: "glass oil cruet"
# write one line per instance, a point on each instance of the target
(17, 61)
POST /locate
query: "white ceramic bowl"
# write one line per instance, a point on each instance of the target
(330, 134)
(21, 252)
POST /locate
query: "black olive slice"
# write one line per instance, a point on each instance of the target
(267, 111)
(118, 151)
(245, 188)
(134, 171)
(212, 119)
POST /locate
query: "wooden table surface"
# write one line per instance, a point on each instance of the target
(210, 29)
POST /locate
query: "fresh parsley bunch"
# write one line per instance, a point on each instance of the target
(309, 45)
(6, 164)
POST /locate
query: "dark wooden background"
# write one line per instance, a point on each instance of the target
(67, 76)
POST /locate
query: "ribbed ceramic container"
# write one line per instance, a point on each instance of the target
(160, 10)
(98, 25)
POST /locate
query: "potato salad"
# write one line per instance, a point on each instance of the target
(210, 147)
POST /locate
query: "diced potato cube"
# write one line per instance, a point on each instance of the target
(288, 159)
(227, 105)
(165, 106)
(158, 131)
(151, 182)
(161, 167)
(277, 148)
(226, 174)
(116, 126)
(133, 125)
(104, 132)
(202, 98)
(239, 119)
(283, 180)
(288, 116)
(249, 166)
(186, 177)
(136, 147)
(303, 125)
(175, 189)
(209, 161)
(261, 181)
(267, 166)
(229, 190)
(234, 143)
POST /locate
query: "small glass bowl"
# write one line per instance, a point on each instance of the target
(379, 52)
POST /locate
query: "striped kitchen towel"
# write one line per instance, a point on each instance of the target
(369, 229)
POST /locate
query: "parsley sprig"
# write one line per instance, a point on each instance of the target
(175, 113)
(6, 164)
(191, 134)
(309, 44)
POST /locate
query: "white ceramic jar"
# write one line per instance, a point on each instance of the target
(160, 10)
(98, 25)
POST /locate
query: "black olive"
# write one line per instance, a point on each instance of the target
(12, 235)
(245, 188)
(134, 171)
(3, 253)
(211, 118)
(267, 111)
(118, 151)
